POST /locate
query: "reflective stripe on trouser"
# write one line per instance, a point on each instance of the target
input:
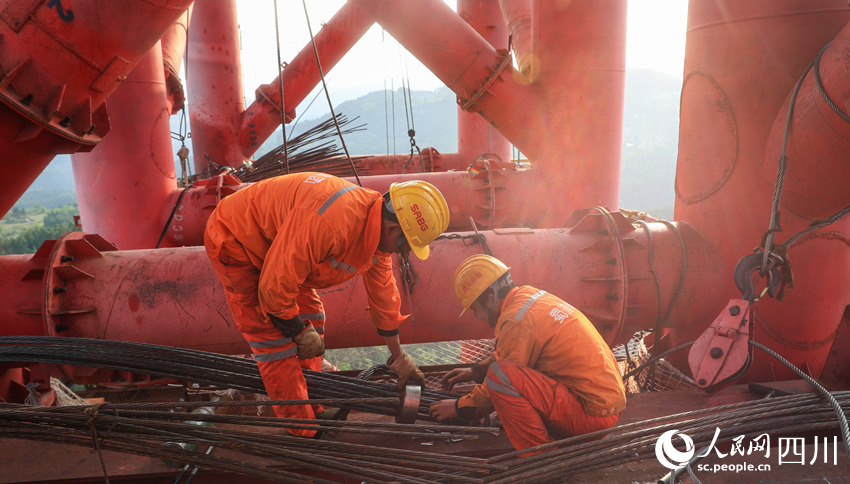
(530, 404)
(279, 368)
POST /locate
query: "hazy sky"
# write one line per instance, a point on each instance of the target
(655, 40)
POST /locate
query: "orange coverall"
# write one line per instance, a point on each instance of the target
(273, 244)
(551, 370)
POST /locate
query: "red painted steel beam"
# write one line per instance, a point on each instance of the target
(81, 286)
(729, 104)
(59, 64)
(215, 84)
(121, 186)
(475, 136)
(300, 76)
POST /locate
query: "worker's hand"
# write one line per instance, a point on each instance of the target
(458, 375)
(443, 410)
(310, 344)
(406, 369)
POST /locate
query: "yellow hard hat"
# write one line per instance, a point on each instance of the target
(474, 275)
(422, 213)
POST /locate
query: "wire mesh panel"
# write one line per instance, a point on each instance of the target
(654, 378)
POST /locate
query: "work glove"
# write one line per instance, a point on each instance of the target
(406, 369)
(310, 344)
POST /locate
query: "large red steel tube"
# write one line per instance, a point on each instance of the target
(729, 105)
(492, 198)
(215, 84)
(58, 65)
(121, 191)
(581, 50)
(300, 76)
(818, 139)
(82, 286)
(475, 136)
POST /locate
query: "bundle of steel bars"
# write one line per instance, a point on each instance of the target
(135, 428)
(197, 366)
(312, 150)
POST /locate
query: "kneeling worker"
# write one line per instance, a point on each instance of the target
(551, 371)
(275, 242)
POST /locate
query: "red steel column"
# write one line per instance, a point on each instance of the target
(580, 47)
(301, 75)
(123, 184)
(58, 64)
(475, 136)
(742, 60)
(215, 84)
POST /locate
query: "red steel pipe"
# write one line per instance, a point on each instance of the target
(494, 198)
(475, 136)
(81, 286)
(58, 65)
(300, 76)
(729, 104)
(215, 84)
(818, 140)
(121, 191)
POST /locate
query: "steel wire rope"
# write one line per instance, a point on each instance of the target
(752, 416)
(327, 94)
(411, 124)
(842, 418)
(782, 165)
(280, 86)
(768, 257)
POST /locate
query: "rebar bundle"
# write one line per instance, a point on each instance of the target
(312, 150)
(198, 366)
(142, 428)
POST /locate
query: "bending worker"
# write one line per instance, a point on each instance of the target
(275, 242)
(551, 371)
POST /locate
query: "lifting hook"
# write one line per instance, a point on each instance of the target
(743, 276)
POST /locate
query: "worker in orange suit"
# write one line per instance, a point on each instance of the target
(275, 242)
(551, 371)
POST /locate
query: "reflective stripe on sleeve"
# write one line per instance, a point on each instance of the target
(270, 343)
(333, 198)
(342, 266)
(497, 387)
(528, 304)
(313, 316)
